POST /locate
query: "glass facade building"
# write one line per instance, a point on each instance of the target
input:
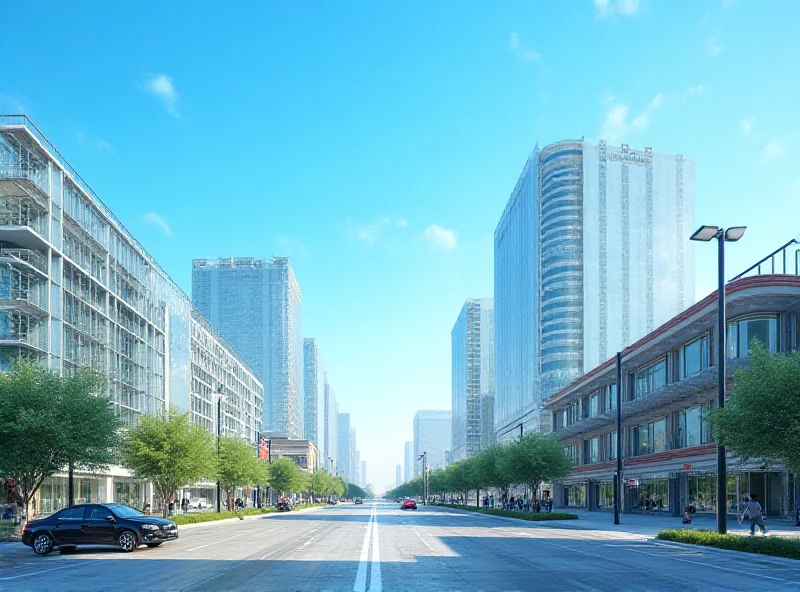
(330, 438)
(591, 253)
(77, 289)
(472, 377)
(256, 306)
(408, 461)
(432, 435)
(313, 394)
(344, 465)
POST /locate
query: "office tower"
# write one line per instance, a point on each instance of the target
(313, 394)
(473, 375)
(331, 439)
(77, 289)
(255, 304)
(364, 473)
(432, 435)
(591, 253)
(398, 470)
(344, 447)
(409, 462)
(358, 480)
(353, 450)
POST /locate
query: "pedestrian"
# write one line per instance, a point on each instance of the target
(183, 505)
(147, 510)
(752, 509)
(648, 505)
(687, 516)
(538, 507)
(550, 505)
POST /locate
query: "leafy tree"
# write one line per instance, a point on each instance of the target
(761, 417)
(338, 486)
(488, 468)
(171, 451)
(320, 483)
(285, 476)
(354, 490)
(48, 422)
(533, 459)
(239, 466)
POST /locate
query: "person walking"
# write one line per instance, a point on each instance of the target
(752, 509)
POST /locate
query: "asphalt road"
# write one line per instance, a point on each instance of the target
(360, 548)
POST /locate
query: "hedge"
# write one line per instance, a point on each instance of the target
(774, 546)
(531, 516)
(212, 516)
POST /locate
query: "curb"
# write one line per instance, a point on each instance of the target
(538, 523)
(782, 561)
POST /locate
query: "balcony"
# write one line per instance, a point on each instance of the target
(23, 223)
(23, 331)
(25, 259)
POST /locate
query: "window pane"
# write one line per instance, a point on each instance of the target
(764, 330)
(659, 435)
(693, 358)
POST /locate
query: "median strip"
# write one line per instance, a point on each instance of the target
(520, 515)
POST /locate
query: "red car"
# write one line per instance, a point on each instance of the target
(409, 504)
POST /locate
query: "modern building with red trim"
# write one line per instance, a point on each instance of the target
(669, 381)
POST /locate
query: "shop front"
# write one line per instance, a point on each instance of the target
(656, 489)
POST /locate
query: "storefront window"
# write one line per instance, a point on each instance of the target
(702, 493)
(575, 496)
(741, 335)
(656, 489)
(605, 496)
(130, 492)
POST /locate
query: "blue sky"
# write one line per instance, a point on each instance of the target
(376, 144)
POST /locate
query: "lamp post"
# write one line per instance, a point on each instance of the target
(424, 457)
(733, 234)
(219, 394)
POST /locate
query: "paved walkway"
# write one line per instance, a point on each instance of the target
(650, 525)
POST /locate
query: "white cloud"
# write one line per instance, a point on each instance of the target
(713, 46)
(401, 223)
(746, 126)
(617, 127)
(772, 150)
(367, 233)
(95, 142)
(291, 247)
(158, 221)
(523, 53)
(162, 87)
(607, 8)
(439, 237)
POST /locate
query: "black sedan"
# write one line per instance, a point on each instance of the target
(97, 524)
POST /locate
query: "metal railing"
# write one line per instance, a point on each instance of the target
(783, 260)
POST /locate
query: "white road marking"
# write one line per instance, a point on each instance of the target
(361, 575)
(375, 583)
(424, 542)
(212, 543)
(36, 573)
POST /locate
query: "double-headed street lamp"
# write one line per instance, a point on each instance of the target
(733, 234)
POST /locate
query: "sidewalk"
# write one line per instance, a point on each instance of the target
(651, 525)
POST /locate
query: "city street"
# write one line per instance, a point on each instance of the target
(379, 547)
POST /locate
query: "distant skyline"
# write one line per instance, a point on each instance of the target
(380, 162)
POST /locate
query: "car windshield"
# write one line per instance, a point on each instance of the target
(123, 511)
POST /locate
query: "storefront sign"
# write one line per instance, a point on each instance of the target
(687, 467)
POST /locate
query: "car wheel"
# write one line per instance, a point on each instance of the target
(42, 544)
(127, 541)
(153, 545)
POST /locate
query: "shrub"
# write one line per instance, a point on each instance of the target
(531, 516)
(213, 516)
(774, 546)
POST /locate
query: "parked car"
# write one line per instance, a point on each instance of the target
(409, 504)
(358, 501)
(284, 506)
(97, 524)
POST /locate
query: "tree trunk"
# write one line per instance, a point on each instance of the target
(478, 496)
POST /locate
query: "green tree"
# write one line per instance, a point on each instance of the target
(533, 459)
(239, 466)
(171, 451)
(320, 483)
(761, 417)
(354, 491)
(48, 422)
(285, 476)
(488, 468)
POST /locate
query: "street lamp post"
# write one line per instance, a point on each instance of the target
(219, 394)
(424, 457)
(733, 234)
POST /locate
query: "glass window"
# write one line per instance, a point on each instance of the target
(594, 404)
(591, 451)
(650, 378)
(648, 438)
(660, 435)
(742, 333)
(99, 513)
(693, 357)
(610, 392)
(610, 446)
(73, 513)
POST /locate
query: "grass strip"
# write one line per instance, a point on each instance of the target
(226, 515)
(530, 516)
(772, 546)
